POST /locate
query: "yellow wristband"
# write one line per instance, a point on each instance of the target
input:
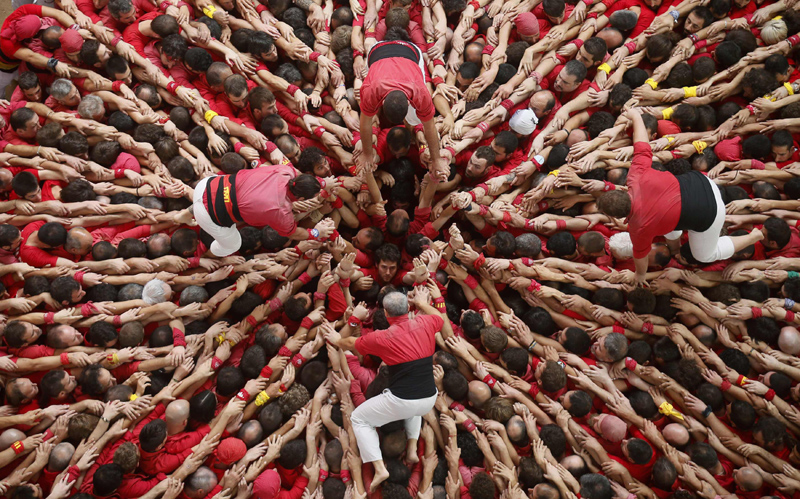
(669, 138)
(554, 173)
(777, 18)
(115, 358)
(689, 92)
(604, 68)
(744, 380)
(667, 410)
(653, 84)
(221, 339)
(769, 97)
(262, 398)
(133, 397)
(210, 115)
(209, 11)
(667, 113)
(699, 146)
(788, 87)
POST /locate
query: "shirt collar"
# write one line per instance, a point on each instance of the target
(398, 319)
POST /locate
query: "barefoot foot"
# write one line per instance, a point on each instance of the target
(380, 476)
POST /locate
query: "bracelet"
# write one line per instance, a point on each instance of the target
(617, 328)
(471, 282)
(291, 89)
(789, 316)
(793, 40)
(792, 274)
(323, 475)
(725, 386)
(319, 296)
(298, 360)
(689, 92)
(667, 113)
(49, 318)
(675, 15)
(18, 447)
(209, 11)
(266, 372)
(554, 173)
(757, 312)
(469, 425)
(285, 352)
(489, 380)
(306, 323)
(478, 263)
(314, 56)
(216, 362)
(534, 286)
(788, 88)
(561, 224)
(243, 395)
(707, 411)
(653, 84)
(210, 115)
(262, 398)
(313, 234)
(532, 346)
(533, 391)
(117, 321)
(64, 359)
(750, 108)
(647, 328)
(251, 320)
(770, 394)
(666, 409)
(630, 364)
(741, 380)
(133, 397)
(456, 406)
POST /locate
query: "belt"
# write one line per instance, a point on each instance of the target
(394, 48)
(221, 200)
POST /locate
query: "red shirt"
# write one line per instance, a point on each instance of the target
(262, 195)
(405, 340)
(396, 73)
(655, 201)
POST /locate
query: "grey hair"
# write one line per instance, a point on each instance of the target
(91, 106)
(130, 291)
(151, 202)
(395, 304)
(61, 88)
(621, 244)
(193, 294)
(153, 292)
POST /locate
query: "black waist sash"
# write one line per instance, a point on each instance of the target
(221, 199)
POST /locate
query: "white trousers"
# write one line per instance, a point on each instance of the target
(708, 246)
(227, 240)
(384, 409)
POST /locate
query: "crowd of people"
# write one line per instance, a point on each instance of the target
(400, 249)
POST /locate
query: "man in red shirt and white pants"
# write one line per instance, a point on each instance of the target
(661, 204)
(407, 349)
(396, 79)
(258, 197)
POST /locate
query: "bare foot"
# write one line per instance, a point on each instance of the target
(378, 479)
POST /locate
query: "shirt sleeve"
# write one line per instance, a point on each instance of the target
(36, 257)
(368, 344)
(296, 491)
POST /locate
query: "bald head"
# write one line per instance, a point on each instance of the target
(10, 436)
(176, 416)
(789, 340)
(676, 434)
(574, 464)
(251, 433)
(545, 491)
(705, 334)
(200, 483)
(748, 479)
(479, 393)
(5, 179)
(517, 432)
(79, 241)
(60, 457)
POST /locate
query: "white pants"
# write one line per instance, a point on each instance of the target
(708, 246)
(227, 240)
(384, 409)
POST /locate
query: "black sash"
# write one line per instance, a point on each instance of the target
(221, 198)
(395, 48)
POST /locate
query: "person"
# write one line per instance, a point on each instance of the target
(261, 197)
(407, 347)
(660, 203)
(395, 88)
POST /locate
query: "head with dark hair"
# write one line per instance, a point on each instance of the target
(703, 69)
(595, 486)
